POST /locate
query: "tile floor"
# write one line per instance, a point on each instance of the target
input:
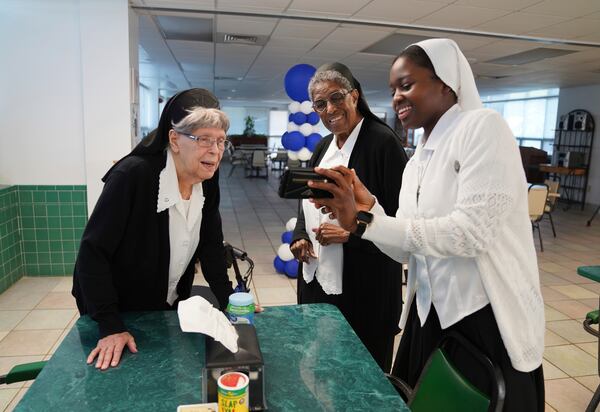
(36, 313)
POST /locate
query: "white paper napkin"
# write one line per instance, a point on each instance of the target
(196, 314)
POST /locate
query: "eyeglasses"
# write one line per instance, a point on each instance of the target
(335, 98)
(207, 141)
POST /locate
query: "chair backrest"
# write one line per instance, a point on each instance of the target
(258, 159)
(553, 186)
(536, 197)
(441, 387)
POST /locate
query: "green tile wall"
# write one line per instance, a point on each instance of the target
(40, 230)
(52, 219)
(11, 257)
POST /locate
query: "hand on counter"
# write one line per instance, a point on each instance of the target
(328, 234)
(258, 308)
(110, 349)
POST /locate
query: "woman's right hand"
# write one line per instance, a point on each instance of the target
(303, 250)
(110, 348)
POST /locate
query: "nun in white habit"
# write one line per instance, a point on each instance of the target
(462, 224)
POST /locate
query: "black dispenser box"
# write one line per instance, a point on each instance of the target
(247, 360)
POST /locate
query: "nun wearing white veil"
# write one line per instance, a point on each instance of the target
(462, 224)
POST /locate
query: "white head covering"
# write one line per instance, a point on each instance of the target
(452, 67)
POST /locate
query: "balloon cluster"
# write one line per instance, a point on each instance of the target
(284, 261)
(302, 133)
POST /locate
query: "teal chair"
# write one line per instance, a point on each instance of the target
(441, 387)
(593, 273)
(23, 372)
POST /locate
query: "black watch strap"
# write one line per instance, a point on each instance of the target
(362, 221)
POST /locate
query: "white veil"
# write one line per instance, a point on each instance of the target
(452, 67)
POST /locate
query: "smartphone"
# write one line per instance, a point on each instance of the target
(294, 184)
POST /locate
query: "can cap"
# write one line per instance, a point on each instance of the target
(241, 299)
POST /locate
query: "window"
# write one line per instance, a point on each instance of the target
(530, 115)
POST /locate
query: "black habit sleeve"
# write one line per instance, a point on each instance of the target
(100, 240)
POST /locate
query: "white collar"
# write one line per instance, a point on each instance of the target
(346, 149)
(168, 186)
(441, 127)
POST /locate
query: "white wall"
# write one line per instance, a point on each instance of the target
(587, 98)
(40, 104)
(105, 87)
(65, 101)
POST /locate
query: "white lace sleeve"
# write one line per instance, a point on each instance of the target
(393, 250)
(488, 183)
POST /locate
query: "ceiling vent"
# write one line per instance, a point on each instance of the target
(530, 56)
(239, 39)
(393, 44)
(186, 28)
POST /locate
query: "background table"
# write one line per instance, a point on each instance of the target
(313, 362)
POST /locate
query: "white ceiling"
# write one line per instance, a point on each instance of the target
(251, 74)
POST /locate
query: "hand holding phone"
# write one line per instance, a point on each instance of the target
(294, 184)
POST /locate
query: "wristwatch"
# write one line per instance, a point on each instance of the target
(362, 220)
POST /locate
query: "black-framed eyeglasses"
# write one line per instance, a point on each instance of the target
(207, 141)
(335, 98)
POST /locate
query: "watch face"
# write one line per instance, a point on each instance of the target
(364, 217)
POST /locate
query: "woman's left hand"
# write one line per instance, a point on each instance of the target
(328, 234)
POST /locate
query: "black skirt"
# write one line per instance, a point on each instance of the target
(380, 344)
(524, 390)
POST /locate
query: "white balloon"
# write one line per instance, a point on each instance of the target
(304, 154)
(292, 127)
(285, 253)
(306, 129)
(306, 107)
(292, 155)
(317, 128)
(294, 107)
(291, 224)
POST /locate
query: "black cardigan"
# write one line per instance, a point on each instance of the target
(123, 260)
(372, 281)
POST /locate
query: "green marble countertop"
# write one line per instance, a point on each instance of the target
(313, 362)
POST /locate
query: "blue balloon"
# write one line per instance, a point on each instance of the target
(291, 268)
(299, 118)
(291, 117)
(284, 137)
(312, 140)
(313, 118)
(286, 237)
(296, 81)
(279, 265)
(295, 141)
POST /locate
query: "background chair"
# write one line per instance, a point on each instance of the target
(553, 195)
(593, 273)
(537, 196)
(258, 163)
(236, 157)
(441, 387)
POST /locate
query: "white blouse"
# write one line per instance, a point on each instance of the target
(468, 240)
(329, 264)
(185, 218)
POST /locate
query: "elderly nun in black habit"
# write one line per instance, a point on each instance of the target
(157, 214)
(339, 267)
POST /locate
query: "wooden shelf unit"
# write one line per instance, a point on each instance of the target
(573, 138)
